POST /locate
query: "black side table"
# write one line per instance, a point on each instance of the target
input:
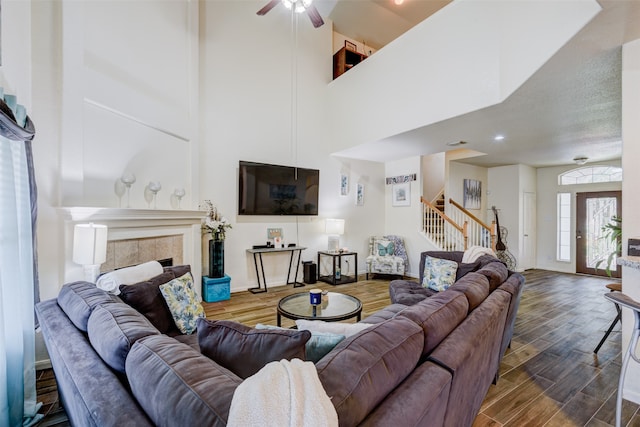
(337, 261)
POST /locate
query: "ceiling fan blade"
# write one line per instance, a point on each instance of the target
(268, 7)
(315, 17)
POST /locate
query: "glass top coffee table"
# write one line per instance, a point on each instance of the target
(334, 307)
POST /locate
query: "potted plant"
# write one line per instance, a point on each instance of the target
(613, 233)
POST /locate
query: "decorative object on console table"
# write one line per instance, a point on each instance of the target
(216, 289)
(216, 225)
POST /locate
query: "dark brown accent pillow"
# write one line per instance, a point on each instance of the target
(147, 299)
(244, 350)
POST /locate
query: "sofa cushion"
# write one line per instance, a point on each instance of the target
(475, 287)
(346, 329)
(437, 316)
(383, 354)
(244, 350)
(183, 302)
(496, 272)
(113, 329)
(464, 269)
(384, 248)
(146, 298)
(407, 292)
(177, 386)
(439, 274)
(78, 299)
(384, 314)
(318, 345)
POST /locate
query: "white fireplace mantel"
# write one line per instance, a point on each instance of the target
(79, 214)
(138, 224)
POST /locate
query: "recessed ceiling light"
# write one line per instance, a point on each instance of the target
(398, 2)
(498, 137)
(454, 143)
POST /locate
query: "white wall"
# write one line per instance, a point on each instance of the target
(630, 201)
(246, 63)
(457, 173)
(494, 37)
(405, 221)
(433, 175)
(548, 189)
(503, 193)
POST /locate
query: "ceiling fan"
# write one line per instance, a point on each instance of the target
(298, 6)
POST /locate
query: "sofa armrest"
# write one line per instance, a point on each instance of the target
(90, 391)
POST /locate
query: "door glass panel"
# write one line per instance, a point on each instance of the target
(599, 213)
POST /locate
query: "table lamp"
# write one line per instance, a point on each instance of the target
(90, 248)
(334, 228)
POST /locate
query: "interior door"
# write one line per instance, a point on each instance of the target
(529, 231)
(594, 211)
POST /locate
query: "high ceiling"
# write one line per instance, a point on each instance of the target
(570, 107)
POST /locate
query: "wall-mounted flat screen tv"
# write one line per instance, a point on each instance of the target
(277, 190)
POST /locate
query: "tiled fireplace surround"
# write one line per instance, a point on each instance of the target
(139, 235)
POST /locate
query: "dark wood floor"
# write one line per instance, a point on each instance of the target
(549, 377)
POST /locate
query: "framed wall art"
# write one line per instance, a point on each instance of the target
(401, 194)
(360, 194)
(344, 184)
(472, 194)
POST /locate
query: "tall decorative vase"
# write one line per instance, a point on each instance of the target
(216, 257)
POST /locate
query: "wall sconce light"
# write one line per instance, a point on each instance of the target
(580, 160)
(90, 248)
(334, 228)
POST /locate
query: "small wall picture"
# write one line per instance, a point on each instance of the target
(472, 194)
(344, 184)
(401, 194)
(350, 46)
(360, 194)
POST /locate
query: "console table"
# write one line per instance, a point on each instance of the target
(257, 255)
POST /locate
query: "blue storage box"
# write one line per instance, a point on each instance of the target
(216, 289)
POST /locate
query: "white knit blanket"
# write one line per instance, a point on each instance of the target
(282, 394)
(475, 252)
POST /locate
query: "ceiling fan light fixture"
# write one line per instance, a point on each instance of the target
(298, 6)
(580, 160)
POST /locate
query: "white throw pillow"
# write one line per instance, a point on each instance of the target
(346, 329)
(111, 281)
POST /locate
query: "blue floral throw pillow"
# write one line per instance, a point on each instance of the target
(439, 274)
(184, 303)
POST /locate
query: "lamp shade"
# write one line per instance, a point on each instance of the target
(89, 244)
(334, 226)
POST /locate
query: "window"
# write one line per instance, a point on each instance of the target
(590, 175)
(564, 227)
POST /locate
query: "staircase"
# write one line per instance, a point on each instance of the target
(456, 232)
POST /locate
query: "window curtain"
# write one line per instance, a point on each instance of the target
(18, 275)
